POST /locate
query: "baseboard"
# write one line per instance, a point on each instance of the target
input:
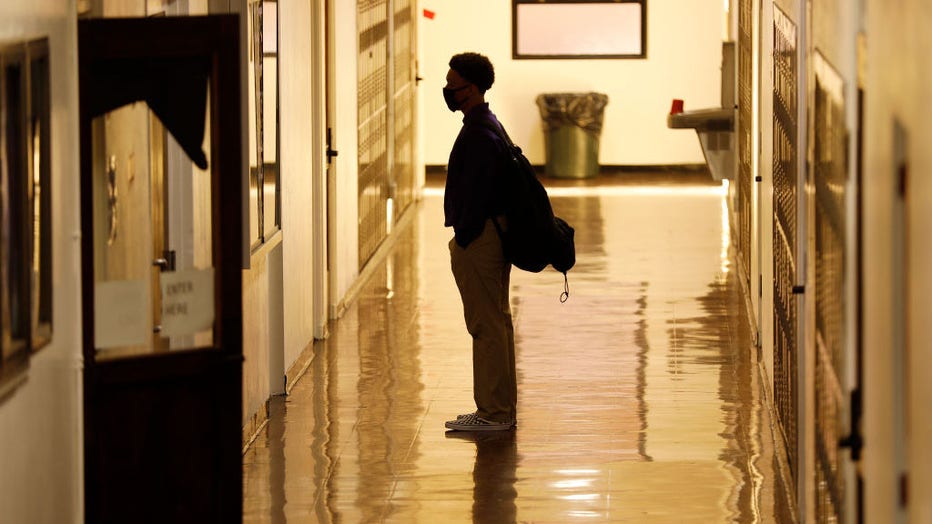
(746, 292)
(300, 365)
(698, 171)
(652, 168)
(779, 443)
(254, 425)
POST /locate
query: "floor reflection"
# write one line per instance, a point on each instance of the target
(494, 475)
(638, 398)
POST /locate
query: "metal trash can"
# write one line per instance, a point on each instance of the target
(572, 128)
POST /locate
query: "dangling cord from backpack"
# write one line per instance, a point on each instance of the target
(566, 289)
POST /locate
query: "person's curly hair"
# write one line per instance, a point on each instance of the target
(475, 68)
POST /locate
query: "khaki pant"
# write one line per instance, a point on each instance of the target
(483, 278)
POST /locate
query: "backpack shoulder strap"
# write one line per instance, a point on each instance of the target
(498, 129)
(500, 133)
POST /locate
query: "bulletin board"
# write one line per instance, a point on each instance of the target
(579, 29)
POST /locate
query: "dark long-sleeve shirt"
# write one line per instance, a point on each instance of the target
(473, 189)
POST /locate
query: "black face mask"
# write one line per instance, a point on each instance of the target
(449, 96)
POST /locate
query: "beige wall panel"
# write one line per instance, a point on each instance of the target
(300, 147)
(899, 80)
(343, 178)
(255, 336)
(40, 422)
(920, 257)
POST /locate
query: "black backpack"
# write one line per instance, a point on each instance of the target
(534, 238)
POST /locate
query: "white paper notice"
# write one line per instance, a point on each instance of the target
(187, 302)
(121, 313)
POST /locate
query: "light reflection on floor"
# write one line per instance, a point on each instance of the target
(638, 398)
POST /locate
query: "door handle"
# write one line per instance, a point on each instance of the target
(166, 262)
(854, 441)
(330, 151)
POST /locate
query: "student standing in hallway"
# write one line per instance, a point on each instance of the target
(472, 200)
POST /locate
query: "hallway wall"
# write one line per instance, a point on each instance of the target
(683, 61)
(41, 444)
(258, 348)
(897, 353)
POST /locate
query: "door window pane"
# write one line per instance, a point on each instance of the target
(270, 111)
(153, 283)
(264, 208)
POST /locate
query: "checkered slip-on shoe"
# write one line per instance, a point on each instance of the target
(494, 438)
(473, 414)
(472, 422)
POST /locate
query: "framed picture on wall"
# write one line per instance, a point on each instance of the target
(579, 29)
(25, 207)
(14, 165)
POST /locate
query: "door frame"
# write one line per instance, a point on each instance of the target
(320, 219)
(331, 154)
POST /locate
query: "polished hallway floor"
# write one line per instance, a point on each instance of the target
(639, 398)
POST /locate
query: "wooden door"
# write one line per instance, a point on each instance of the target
(162, 345)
